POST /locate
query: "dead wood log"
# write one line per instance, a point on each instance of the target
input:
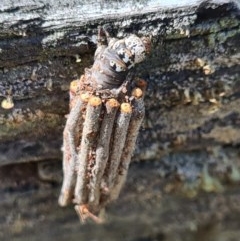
(193, 72)
(191, 129)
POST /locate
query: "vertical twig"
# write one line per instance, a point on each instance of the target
(73, 92)
(119, 137)
(133, 130)
(89, 134)
(102, 150)
(70, 138)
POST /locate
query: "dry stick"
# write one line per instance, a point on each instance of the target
(102, 150)
(70, 149)
(119, 137)
(133, 130)
(73, 92)
(90, 130)
(73, 97)
(84, 214)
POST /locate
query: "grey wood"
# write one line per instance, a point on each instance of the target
(190, 188)
(39, 42)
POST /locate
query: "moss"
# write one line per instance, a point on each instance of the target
(228, 23)
(209, 183)
(222, 37)
(212, 40)
(234, 174)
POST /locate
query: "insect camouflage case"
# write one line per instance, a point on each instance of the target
(106, 112)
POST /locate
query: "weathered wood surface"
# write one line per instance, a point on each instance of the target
(39, 42)
(191, 130)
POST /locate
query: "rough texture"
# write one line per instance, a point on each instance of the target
(38, 65)
(191, 132)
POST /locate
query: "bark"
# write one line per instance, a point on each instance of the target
(38, 60)
(192, 127)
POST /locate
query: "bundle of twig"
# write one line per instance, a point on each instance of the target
(106, 112)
